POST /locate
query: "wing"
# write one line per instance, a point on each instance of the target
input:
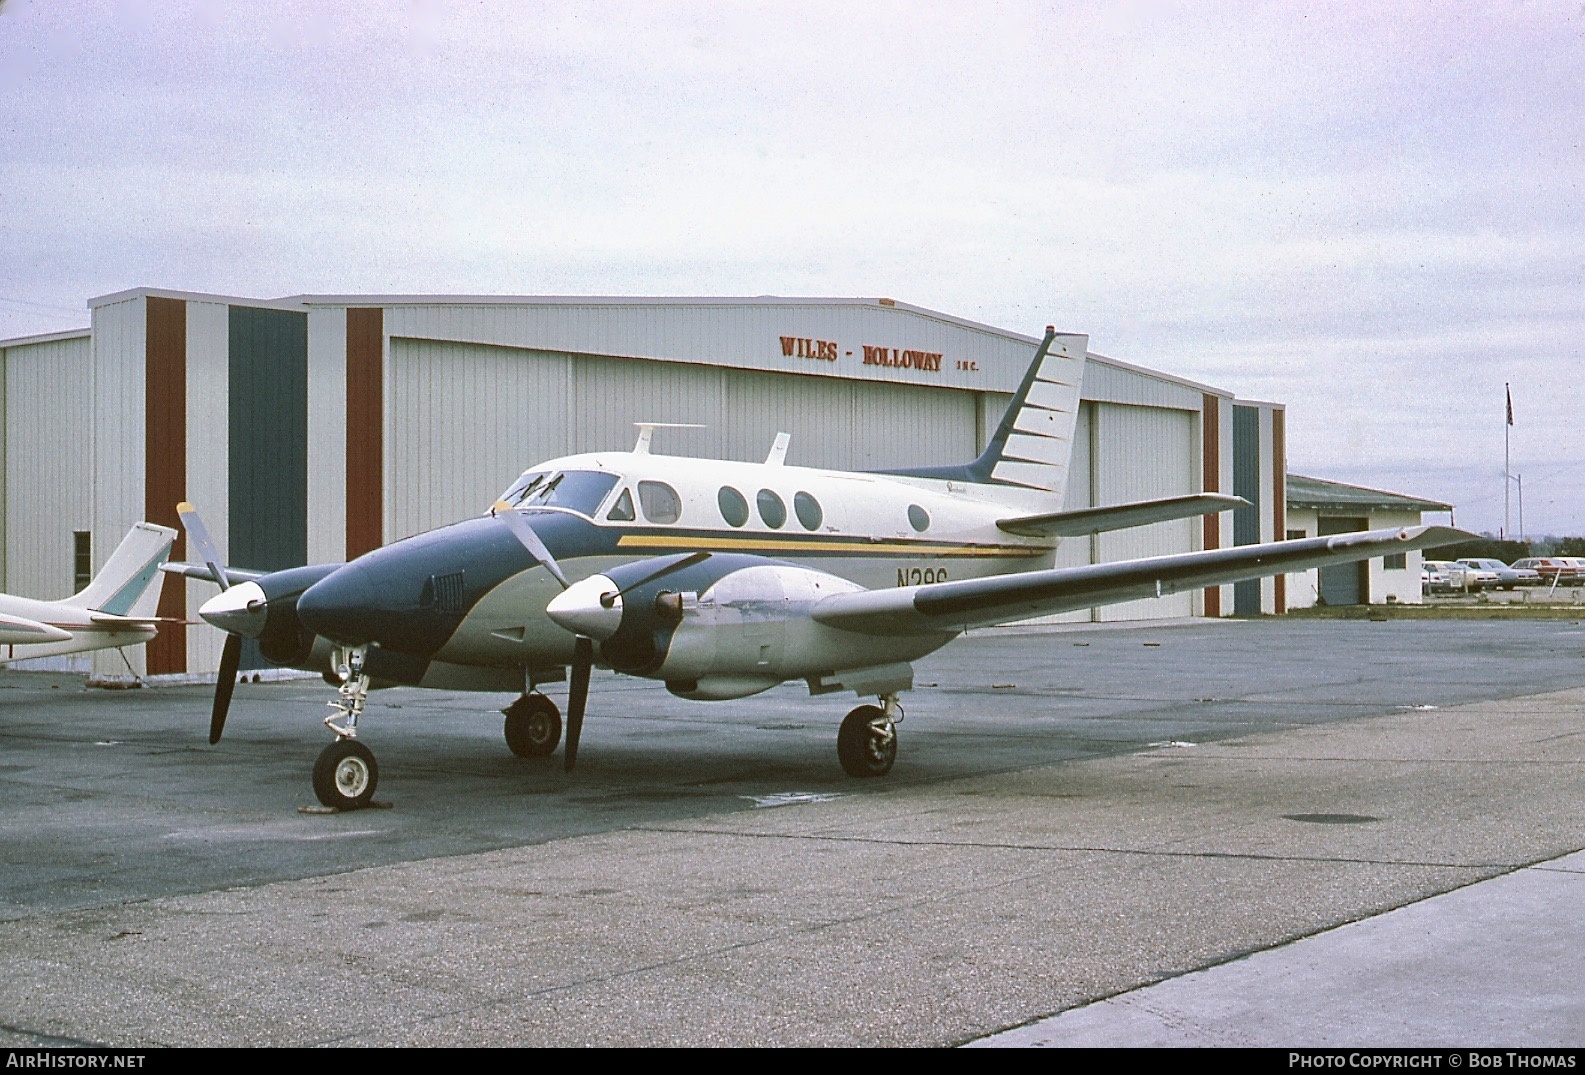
(1119, 516)
(21, 631)
(234, 575)
(954, 606)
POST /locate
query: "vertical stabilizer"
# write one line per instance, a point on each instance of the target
(1033, 444)
(126, 585)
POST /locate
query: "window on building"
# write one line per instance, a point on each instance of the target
(82, 560)
(1295, 535)
(1398, 561)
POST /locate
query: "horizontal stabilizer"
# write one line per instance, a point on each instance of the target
(21, 631)
(949, 607)
(1119, 516)
(234, 575)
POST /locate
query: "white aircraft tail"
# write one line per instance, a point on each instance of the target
(125, 586)
(1032, 447)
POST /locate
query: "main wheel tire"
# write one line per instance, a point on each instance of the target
(865, 748)
(533, 726)
(345, 775)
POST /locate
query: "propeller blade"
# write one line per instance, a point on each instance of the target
(525, 533)
(577, 696)
(203, 544)
(225, 683)
(676, 565)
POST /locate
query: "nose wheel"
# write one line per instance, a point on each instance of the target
(533, 726)
(345, 775)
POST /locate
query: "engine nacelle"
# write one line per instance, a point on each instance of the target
(266, 609)
(727, 627)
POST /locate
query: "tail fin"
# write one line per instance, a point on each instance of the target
(125, 585)
(1032, 446)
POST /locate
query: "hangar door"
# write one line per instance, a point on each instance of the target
(1344, 584)
(1143, 453)
(463, 420)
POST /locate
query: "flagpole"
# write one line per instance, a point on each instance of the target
(1506, 479)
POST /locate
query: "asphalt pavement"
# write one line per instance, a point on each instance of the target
(1076, 815)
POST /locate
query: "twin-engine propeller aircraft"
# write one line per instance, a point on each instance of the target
(116, 608)
(720, 580)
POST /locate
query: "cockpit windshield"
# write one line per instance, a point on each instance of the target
(577, 490)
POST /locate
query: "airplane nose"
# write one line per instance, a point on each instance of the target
(343, 606)
(241, 610)
(581, 608)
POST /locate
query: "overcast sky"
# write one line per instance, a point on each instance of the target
(1370, 212)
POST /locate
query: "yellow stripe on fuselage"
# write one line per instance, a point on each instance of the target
(854, 546)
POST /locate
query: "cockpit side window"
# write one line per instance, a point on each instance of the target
(622, 510)
(660, 501)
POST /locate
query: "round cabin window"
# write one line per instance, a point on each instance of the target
(734, 509)
(771, 509)
(807, 508)
(918, 518)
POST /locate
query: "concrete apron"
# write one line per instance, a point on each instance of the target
(924, 916)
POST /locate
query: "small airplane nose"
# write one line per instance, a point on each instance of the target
(240, 610)
(342, 606)
(581, 608)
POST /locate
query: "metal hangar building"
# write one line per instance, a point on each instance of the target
(314, 428)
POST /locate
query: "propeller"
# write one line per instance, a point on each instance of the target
(525, 533)
(583, 645)
(231, 652)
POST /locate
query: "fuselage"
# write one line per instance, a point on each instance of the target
(31, 628)
(469, 594)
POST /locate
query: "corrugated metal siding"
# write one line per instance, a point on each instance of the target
(1105, 382)
(466, 420)
(120, 332)
(327, 435)
(268, 466)
(1143, 453)
(743, 334)
(165, 463)
(49, 465)
(208, 457)
(1247, 484)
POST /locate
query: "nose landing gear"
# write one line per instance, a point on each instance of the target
(346, 773)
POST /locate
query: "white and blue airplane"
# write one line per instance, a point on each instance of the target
(721, 579)
(116, 608)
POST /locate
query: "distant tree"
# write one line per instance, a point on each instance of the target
(1481, 549)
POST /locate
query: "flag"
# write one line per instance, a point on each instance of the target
(1509, 394)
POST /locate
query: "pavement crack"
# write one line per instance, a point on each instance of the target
(997, 845)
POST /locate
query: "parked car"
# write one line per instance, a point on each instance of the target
(1461, 578)
(1435, 577)
(1576, 564)
(1551, 569)
(1507, 577)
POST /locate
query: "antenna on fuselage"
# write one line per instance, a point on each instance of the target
(646, 430)
(778, 450)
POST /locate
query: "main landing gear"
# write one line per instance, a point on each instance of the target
(346, 773)
(533, 726)
(867, 741)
